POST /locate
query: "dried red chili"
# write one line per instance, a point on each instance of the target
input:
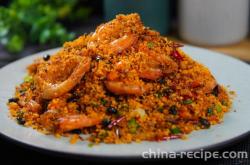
(175, 52)
(171, 137)
(115, 122)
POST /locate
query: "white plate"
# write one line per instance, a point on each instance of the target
(227, 70)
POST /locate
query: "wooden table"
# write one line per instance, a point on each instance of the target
(239, 50)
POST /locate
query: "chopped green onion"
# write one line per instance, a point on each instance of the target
(150, 45)
(188, 101)
(103, 101)
(218, 108)
(133, 125)
(90, 145)
(175, 130)
(28, 79)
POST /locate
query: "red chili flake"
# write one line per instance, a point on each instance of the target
(171, 137)
(177, 45)
(165, 138)
(195, 84)
(194, 95)
(115, 122)
(177, 55)
(186, 97)
(175, 52)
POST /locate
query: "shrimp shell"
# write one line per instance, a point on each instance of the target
(120, 44)
(79, 121)
(121, 88)
(49, 90)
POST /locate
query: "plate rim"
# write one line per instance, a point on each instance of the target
(47, 151)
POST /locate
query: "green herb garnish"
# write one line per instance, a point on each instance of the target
(91, 145)
(28, 79)
(133, 125)
(175, 130)
(218, 108)
(150, 45)
(188, 101)
(103, 101)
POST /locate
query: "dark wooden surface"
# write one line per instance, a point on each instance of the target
(12, 153)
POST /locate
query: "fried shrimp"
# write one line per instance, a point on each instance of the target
(156, 66)
(121, 88)
(51, 90)
(79, 121)
(120, 44)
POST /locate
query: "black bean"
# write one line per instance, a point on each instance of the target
(73, 98)
(111, 110)
(210, 111)
(14, 99)
(167, 91)
(105, 122)
(161, 80)
(83, 78)
(173, 110)
(204, 123)
(46, 57)
(76, 131)
(161, 109)
(215, 91)
(110, 94)
(20, 120)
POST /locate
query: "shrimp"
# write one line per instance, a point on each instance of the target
(157, 66)
(53, 90)
(210, 84)
(31, 105)
(121, 88)
(168, 65)
(78, 121)
(120, 44)
(204, 80)
(151, 73)
(116, 86)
